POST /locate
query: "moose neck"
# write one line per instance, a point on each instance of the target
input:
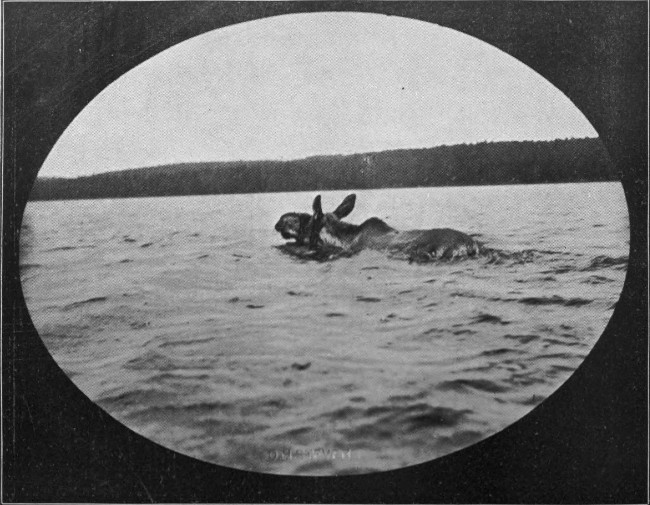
(343, 228)
(342, 231)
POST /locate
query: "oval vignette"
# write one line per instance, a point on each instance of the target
(163, 279)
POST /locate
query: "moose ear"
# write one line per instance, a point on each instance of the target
(346, 206)
(317, 206)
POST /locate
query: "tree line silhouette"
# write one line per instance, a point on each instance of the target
(513, 162)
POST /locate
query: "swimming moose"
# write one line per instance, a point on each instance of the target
(327, 231)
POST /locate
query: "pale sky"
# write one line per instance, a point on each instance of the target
(303, 84)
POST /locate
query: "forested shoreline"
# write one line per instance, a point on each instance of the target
(521, 162)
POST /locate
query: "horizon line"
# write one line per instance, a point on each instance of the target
(311, 156)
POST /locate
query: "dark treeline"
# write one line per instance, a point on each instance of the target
(572, 160)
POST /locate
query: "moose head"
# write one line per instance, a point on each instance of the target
(330, 222)
(294, 225)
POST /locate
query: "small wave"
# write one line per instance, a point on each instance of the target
(391, 419)
(464, 332)
(461, 439)
(546, 278)
(70, 248)
(300, 366)
(367, 434)
(178, 408)
(617, 263)
(501, 351)
(151, 360)
(85, 302)
(555, 253)
(555, 341)
(557, 355)
(568, 356)
(344, 413)
(393, 316)
(466, 385)
(556, 371)
(434, 331)
(423, 416)
(499, 257)
(209, 410)
(368, 299)
(236, 299)
(524, 339)
(185, 343)
(489, 318)
(213, 428)
(136, 397)
(555, 300)
(268, 408)
(527, 254)
(295, 432)
(408, 398)
(499, 299)
(464, 294)
(562, 368)
(565, 269)
(532, 400)
(171, 376)
(323, 466)
(298, 293)
(525, 378)
(597, 279)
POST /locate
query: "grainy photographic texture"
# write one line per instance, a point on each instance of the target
(349, 349)
(323, 244)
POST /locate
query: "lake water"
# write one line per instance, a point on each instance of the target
(181, 318)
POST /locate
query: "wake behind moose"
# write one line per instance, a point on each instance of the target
(327, 231)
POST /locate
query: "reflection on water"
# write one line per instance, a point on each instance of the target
(183, 319)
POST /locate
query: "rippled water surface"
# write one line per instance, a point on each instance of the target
(182, 318)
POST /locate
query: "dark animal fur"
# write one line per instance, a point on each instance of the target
(417, 245)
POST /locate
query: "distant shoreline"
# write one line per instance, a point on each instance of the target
(486, 163)
(309, 190)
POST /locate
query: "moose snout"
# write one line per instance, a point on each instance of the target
(278, 226)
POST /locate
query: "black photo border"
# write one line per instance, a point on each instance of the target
(587, 443)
